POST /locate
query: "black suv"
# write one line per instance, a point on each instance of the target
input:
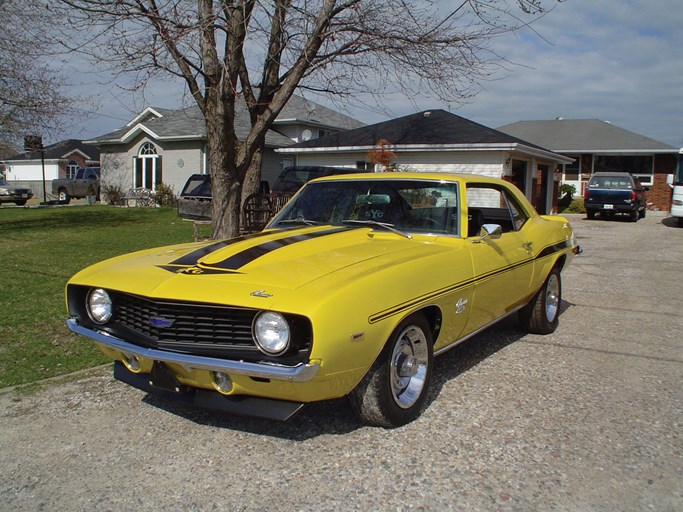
(609, 193)
(194, 201)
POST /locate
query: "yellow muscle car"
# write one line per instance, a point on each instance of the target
(351, 290)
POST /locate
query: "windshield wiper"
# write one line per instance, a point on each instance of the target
(375, 224)
(307, 222)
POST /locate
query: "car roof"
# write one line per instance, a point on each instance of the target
(429, 176)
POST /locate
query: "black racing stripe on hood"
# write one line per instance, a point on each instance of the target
(193, 257)
(253, 253)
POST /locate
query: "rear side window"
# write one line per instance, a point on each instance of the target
(488, 204)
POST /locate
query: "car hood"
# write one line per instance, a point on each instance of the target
(246, 270)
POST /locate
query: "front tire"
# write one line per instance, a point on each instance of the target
(541, 315)
(394, 390)
(63, 196)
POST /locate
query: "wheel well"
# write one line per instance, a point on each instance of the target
(434, 317)
(561, 262)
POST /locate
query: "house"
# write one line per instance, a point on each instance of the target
(59, 160)
(439, 141)
(600, 146)
(162, 145)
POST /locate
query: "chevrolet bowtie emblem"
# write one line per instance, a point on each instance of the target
(159, 322)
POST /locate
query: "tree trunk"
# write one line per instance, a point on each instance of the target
(252, 180)
(226, 180)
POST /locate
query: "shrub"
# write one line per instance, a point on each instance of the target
(566, 188)
(576, 206)
(113, 194)
(165, 196)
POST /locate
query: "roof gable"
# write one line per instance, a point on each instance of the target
(584, 136)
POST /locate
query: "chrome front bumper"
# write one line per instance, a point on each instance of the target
(299, 373)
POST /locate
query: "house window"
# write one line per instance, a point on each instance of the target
(71, 169)
(147, 167)
(640, 166)
(572, 172)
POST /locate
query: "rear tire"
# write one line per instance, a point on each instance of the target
(20, 203)
(590, 214)
(394, 390)
(541, 314)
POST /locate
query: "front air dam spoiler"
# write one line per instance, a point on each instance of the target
(252, 406)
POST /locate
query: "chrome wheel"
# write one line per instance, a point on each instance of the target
(408, 366)
(552, 297)
(541, 315)
(394, 390)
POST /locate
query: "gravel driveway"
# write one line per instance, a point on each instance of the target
(588, 418)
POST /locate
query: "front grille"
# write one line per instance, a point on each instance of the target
(194, 328)
(190, 323)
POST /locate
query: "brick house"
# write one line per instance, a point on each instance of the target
(600, 146)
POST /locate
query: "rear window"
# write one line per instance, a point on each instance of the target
(199, 185)
(610, 182)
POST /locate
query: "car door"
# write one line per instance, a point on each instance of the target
(503, 265)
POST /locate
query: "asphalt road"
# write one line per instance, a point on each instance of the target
(588, 418)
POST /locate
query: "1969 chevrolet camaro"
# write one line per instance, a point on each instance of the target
(351, 290)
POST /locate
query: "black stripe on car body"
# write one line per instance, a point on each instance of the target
(251, 254)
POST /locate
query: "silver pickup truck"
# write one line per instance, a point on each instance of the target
(86, 181)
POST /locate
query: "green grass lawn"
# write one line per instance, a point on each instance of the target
(40, 249)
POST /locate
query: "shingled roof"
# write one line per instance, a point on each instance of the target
(584, 136)
(188, 123)
(427, 130)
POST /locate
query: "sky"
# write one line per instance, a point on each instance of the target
(619, 61)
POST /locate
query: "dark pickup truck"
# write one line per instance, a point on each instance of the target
(615, 192)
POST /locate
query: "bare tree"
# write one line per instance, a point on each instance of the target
(31, 90)
(254, 54)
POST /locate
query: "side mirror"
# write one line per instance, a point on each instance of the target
(670, 180)
(492, 231)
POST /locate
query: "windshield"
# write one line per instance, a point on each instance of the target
(406, 205)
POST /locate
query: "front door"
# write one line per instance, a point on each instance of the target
(503, 267)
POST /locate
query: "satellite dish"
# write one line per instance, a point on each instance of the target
(306, 135)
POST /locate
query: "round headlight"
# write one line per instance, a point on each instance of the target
(271, 333)
(99, 306)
